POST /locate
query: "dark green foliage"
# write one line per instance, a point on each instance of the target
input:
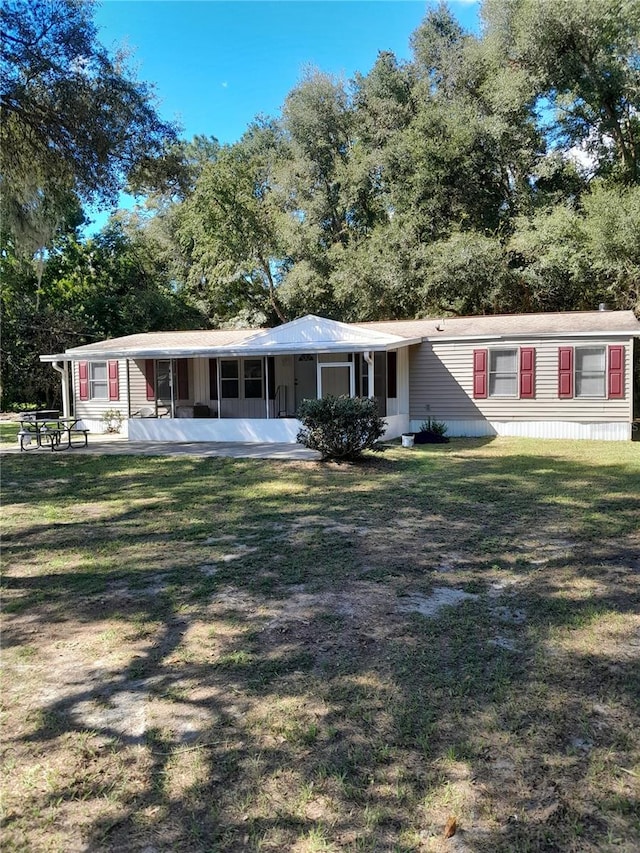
(231, 223)
(340, 427)
(583, 56)
(111, 286)
(75, 123)
(432, 432)
(440, 185)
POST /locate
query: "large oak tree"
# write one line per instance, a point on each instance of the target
(74, 122)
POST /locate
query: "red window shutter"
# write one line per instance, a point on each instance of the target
(183, 379)
(114, 380)
(213, 379)
(565, 372)
(527, 373)
(616, 373)
(479, 373)
(149, 373)
(83, 379)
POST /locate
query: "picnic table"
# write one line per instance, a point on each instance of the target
(46, 429)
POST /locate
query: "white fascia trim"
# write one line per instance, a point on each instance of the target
(531, 337)
(322, 347)
(234, 351)
(102, 355)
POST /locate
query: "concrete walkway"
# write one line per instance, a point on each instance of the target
(119, 445)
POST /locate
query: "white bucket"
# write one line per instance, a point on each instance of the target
(407, 440)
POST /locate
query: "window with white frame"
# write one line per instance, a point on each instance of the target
(253, 378)
(229, 379)
(98, 380)
(503, 373)
(590, 372)
(242, 378)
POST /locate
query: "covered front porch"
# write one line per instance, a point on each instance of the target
(255, 398)
(246, 389)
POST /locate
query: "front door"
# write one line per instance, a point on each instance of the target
(335, 380)
(305, 378)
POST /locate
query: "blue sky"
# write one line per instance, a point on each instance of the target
(216, 65)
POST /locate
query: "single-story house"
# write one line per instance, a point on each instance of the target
(563, 375)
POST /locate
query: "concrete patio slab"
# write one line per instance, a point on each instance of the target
(120, 446)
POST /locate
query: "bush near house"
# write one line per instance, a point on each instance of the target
(432, 432)
(340, 427)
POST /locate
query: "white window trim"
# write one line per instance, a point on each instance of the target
(490, 373)
(241, 378)
(603, 373)
(245, 379)
(327, 365)
(103, 382)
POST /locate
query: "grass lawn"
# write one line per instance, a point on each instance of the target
(9, 431)
(240, 655)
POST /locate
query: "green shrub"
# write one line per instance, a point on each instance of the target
(112, 420)
(433, 426)
(340, 427)
(432, 432)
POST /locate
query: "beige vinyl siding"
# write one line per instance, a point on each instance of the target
(441, 383)
(138, 386)
(239, 408)
(93, 410)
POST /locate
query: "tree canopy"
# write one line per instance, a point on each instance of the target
(470, 179)
(75, 123)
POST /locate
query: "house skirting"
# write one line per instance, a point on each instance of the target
(600, 431)
(96, 426)
(276, 431)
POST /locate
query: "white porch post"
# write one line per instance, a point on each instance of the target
(368, 357)
(63, 370)
(219, 382)
(155, 386)
(173, 396)
(266, 383)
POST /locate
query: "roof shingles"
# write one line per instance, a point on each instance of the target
(564, 323)
(203, 342)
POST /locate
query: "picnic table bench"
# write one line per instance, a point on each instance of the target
(45, 429)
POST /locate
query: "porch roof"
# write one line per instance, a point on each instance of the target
(308, 334)
(317, 334)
